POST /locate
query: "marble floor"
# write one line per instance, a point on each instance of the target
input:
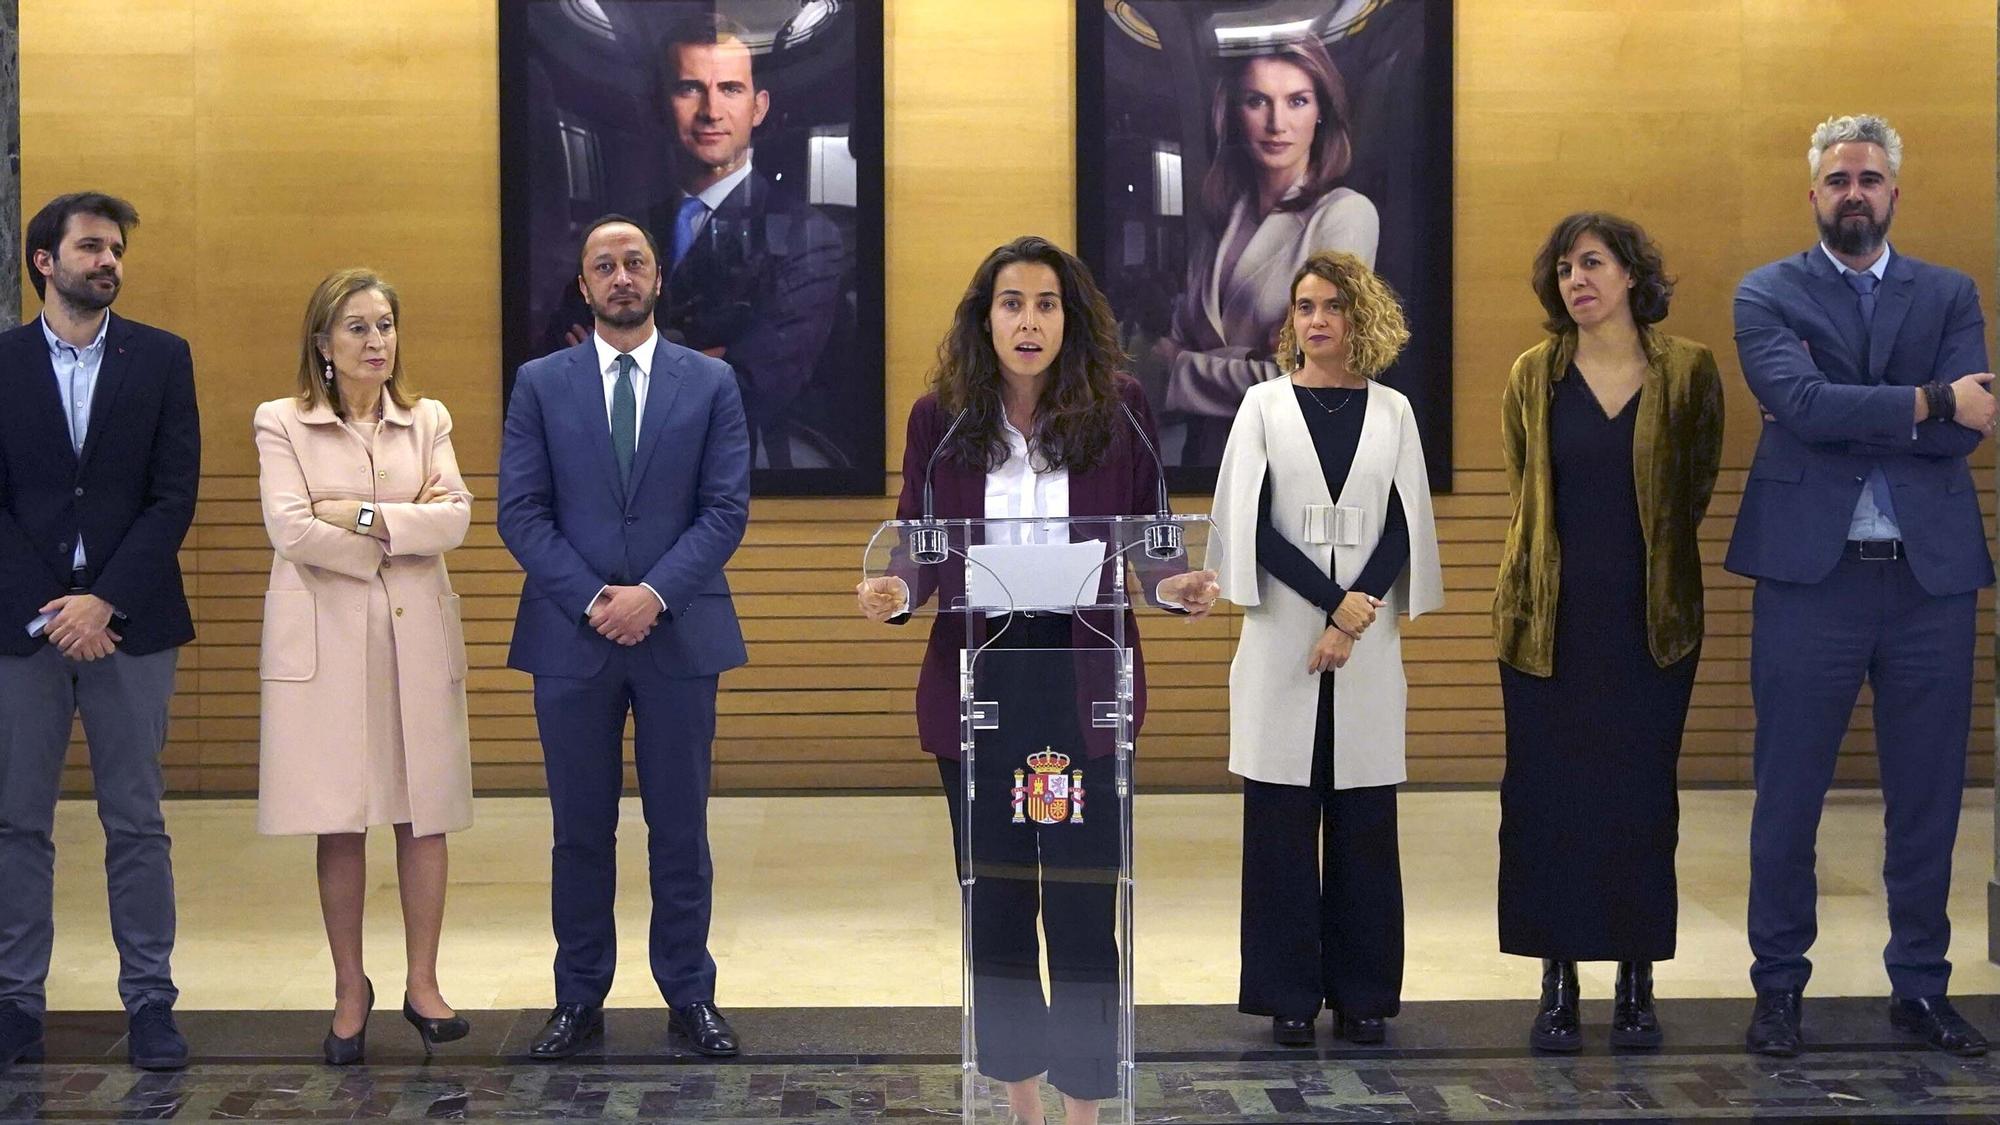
(850, 901)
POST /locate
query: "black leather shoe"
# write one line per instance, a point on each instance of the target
(1633, 1021)
(1558, 1025)
(1939, 1023)
(1774, 1025)
(20, 1036)
(1372, 1029)
(706, 1031)
(1287, 1032)
(152, 1042)
(570, 1029)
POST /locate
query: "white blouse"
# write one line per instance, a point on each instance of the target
(1016, 490)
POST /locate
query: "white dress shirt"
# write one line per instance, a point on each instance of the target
(642, 380)
(642, 375)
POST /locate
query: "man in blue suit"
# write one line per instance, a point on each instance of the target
(1861, 526)
(624, 488)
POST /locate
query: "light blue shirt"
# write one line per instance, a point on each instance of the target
(76, 381)
(1870, 520)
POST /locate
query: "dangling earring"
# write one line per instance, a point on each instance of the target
(326, 376)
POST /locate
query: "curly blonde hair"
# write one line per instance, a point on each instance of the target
(1376, 330)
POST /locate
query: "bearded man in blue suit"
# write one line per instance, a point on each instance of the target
(1861, 526)
(624, 489)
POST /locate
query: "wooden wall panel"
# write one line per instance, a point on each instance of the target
(267, 142)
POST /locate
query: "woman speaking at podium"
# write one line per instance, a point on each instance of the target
(1029, 416)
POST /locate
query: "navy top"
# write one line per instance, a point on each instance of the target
(1333, 417)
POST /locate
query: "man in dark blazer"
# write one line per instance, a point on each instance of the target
(100, 457)
(624, 488)
(1860, 523)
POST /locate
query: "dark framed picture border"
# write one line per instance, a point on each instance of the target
(519, 333)
(1427, 295)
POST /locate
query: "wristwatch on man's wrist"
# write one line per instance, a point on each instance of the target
(364, 518)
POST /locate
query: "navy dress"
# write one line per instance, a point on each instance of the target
(1589, 813)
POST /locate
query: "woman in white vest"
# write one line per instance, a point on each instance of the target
(1324, 473)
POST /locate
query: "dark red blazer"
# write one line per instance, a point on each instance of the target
(1126, 482)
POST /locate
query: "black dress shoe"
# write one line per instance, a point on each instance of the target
(570, 1029)
(1939, 1023)
(1774, 1025)
(706, 1031)
(1371, 1029)
(152, 1042)
(1558, 1024)
(1633, 1021)
(20, 1036)
(1288, 1032)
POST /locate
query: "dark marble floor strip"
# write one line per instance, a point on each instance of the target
(1445, 1062)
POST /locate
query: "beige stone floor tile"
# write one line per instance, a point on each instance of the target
(852, 900)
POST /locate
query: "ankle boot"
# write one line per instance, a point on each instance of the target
(1633, 1023)
(1558, 1025)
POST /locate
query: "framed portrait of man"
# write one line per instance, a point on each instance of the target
(745, 136)
(1222, 142)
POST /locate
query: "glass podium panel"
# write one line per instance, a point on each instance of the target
(1045, 864)
(1042, 823)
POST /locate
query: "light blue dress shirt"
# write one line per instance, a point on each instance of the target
(76, 381)
(1870, 520)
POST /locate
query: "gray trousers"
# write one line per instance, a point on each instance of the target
(124, 704)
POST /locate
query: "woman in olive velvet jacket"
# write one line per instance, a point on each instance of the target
(1612, 433)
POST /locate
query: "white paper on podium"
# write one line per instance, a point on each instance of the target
(1003, 576)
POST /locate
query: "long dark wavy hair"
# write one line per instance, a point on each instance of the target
(1073, 420)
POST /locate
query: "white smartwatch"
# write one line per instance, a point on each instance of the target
(365, 518)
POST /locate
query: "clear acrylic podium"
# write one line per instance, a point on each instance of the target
(1040, 611)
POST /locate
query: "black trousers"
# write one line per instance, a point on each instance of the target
(1065, 874)
(1322, 893)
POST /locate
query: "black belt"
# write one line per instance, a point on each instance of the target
(79, 581)
(1874, 550)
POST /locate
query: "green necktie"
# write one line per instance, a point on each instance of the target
(624, 419)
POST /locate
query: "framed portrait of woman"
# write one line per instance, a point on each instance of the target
(1222, 142)
(745, 136)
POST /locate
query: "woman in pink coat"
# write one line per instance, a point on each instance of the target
(363, 663)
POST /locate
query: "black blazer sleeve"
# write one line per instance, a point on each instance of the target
(131, 579)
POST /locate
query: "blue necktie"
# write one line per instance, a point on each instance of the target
(692, 210)
(1863, 284)
(624, 419)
